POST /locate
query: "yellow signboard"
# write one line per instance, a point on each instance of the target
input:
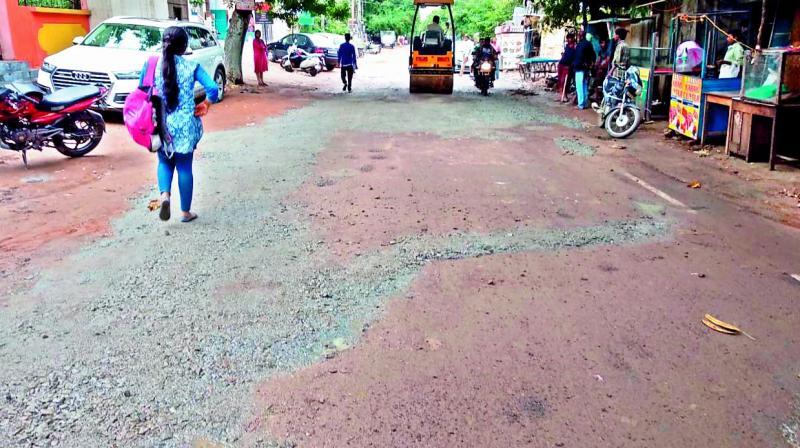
(684, 105)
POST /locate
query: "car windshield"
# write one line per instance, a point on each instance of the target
(125, 36)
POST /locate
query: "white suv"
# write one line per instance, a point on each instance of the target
(112, 55)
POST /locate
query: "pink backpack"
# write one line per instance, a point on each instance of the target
(139, 110)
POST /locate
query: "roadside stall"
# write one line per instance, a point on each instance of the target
(767, 108)
(702, 90)
(655, 68)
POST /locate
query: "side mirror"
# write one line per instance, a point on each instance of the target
(78, 40)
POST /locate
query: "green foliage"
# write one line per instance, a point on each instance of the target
(389, 15)
(197, 3)
(482, 16)
(569, 12)
(471, 16)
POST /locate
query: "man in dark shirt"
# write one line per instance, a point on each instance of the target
(564, 67)
(347, 63)
(582, 65)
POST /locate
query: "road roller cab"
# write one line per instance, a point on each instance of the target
(432, 58)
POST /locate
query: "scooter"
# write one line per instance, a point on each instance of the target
(30, 119)
(303, 61)
(618, 112)
(484, 76)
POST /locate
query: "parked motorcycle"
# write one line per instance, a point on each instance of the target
(30, 119)
(302, 60)
(484, 76)
(373, 48)
(618, 112)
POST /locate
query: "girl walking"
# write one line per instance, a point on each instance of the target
(181, 127)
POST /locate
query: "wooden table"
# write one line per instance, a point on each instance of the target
(740, 128)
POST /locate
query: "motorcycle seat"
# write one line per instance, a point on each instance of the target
(60, 99)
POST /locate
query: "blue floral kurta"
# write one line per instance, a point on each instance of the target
(186, 129)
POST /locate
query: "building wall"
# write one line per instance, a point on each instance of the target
(30, 33)
(105, 9)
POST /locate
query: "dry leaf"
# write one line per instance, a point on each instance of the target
(729, 328)
(153, 205)
(694, 184)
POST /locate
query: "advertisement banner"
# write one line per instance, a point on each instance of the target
(684, 105)
(245, 5)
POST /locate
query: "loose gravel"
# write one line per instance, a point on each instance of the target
(156, 336)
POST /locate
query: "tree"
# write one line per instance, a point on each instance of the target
(389, 15)
(283, 9)
(482, 16)
(564, 12)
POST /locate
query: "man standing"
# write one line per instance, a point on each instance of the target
(565, 68)
(731, 64)
(347, 63)
(584, 60)
(622, 54)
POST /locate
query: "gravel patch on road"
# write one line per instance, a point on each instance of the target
(157, 335)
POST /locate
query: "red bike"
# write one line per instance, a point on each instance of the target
(29, 119)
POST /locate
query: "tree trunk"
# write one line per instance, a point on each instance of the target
(234, 43)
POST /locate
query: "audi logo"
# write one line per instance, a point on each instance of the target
(81, 76)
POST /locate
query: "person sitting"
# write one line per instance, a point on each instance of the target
(435, 25)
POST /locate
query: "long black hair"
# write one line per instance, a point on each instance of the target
(174, 43)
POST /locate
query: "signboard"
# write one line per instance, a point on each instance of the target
(684, 105)
(641, 100)
(262, 17)
(245, 5)
(512, 48)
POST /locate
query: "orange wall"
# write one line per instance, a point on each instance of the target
(38, 32)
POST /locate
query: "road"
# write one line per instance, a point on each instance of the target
(377, 269)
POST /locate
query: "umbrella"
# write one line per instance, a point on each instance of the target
(689, 55)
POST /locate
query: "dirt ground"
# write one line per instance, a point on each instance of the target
(375, 269)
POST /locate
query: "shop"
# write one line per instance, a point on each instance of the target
(767, 108)
(702, 86)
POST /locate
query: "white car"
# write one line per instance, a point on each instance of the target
(113, 54)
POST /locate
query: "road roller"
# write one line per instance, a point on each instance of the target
(432, 60)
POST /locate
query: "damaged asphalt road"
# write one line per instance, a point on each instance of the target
(160, 334)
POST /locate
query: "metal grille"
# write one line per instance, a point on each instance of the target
(69, 78)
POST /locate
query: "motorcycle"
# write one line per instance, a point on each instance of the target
(484, 76)
(373, 48)
(618, 112)
(31, 119)
(300, 59)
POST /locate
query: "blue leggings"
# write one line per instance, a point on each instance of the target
(166, 169)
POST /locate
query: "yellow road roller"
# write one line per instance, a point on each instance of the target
(432, 58)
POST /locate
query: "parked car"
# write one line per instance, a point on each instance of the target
(113, 53)
(388, 39)
(464, 47)
(308, 42)
(338, 39)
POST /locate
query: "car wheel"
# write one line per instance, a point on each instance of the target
(330, 67)
(219, 78)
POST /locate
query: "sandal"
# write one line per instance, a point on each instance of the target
(164, 214)
(189, 218)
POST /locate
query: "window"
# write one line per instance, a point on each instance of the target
(205, 38)
(125, 36)
(195, 42)
(303, 41)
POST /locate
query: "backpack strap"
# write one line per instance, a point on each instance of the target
(150, 76)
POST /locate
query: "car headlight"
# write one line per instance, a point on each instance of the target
(128, 75)
(48, 67)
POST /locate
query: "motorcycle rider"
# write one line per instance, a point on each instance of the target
(484, 52)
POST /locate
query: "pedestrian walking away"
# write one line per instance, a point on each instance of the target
(260, 58)
(348, 63)
(582, 65)
(179, 118)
